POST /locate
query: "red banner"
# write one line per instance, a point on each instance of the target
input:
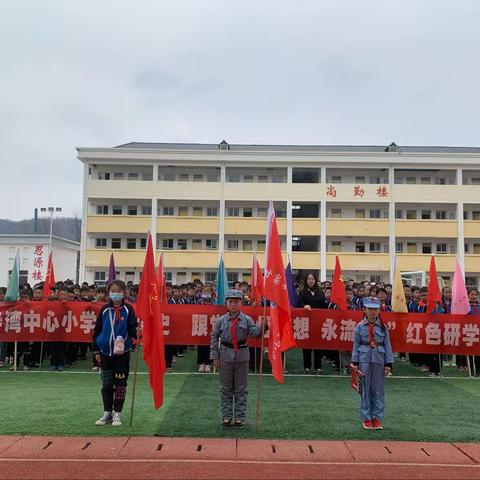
(192, 325)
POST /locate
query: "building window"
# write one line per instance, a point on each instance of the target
(336, 246)
(441, 215)
(233, 212)
(281, 212)
(440, 181)
(360, 213)
(118, 176)
(411, 214)
(360, 247)
(117, 210)
(336, 213)
(212, 177)
(143, 243)
(248, 178)
(183, 177)
(102, 209)
(100, 276)
(132, 210)
(375, 213)
(183, 211)
(411, 180)
(471, 282)
(336, 179)
(146, 210)
(167, 244)
(425, 180)
(441, 248)
(261, 212)
(426, 248)
(131, 243)
(234, 178)
(375, 247)
(359, 179)
(411, 247)
(232, 277)
(476, 248)
(210, 277)
(116, 243)
(399, 247)
(426, 214)
(169, 177)
(263, 179)
(198, 177)
(375, 180)
(247, 245)
(261, 245)
(466, 248)
(278, 179)
(101, 243)
(475, 181)
(168, 211)
(133, 176)
(211, 244)
(232, 244)
(398, 214)
(197, 211)
(212, 212)
(475, 215)
(248, 212)
(196, 244)
(182, 244)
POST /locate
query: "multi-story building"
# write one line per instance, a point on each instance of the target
(369, 205)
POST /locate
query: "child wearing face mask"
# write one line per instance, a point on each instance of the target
(203, 352)
(114, 330)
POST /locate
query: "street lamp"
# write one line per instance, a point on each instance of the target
(51, 211)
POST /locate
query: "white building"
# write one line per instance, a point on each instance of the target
(34, 251)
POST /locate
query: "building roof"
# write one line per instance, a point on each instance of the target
(29, 239)
(298, 148)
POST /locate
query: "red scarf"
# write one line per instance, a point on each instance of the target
(233, 330)
(371, 333)
(117, 313)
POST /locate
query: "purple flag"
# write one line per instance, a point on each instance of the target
(111, 270)
(292, 294)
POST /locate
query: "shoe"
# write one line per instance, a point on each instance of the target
(52, 369)
(60, 368)
(377, 424)
(169, 369)
(104, 419)
(201, 368)
(95, 369)
(319, 371)
(207, 368)
(367, 425)
(306, 371)
(1, 364)
(227, 422)
(179, 355)
(116, 419)
(238, 423)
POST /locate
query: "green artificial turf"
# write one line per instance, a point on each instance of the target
(308, 407)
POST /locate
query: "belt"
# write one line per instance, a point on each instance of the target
(370, 344)
(241, 344)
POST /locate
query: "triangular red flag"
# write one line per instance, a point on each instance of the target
(434, 295)
(281, 330)
(49, 278)
(257, 282)
(162, 282)
(148, 310)
(337, 294)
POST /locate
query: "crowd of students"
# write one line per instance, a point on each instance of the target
(310, 294)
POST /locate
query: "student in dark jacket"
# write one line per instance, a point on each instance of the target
(311, 296)
(115, 328)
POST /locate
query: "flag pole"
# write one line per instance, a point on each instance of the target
(260, 376)
(135, 369)
(15, 351)
(41, 357)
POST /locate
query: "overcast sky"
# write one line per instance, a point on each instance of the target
(102, 73)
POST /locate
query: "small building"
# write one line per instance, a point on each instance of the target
(33, 252)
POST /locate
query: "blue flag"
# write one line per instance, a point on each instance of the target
(222, 283)
(292, 293)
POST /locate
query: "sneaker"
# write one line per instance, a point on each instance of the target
(1, 364)
(52, 369)
(95, 369)
(377, 424)
(201, 368)
(60, 368)
(367, 425)
(169, 369)
(116, 419)
(104, 419)
(207, 369)
(227, 422)
(319, 371)
(306, 371)
(238, 423)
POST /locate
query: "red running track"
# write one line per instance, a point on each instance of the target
(179, 458)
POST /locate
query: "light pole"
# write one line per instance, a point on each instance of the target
(51, 211)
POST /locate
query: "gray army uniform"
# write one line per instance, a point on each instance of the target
(233, 365)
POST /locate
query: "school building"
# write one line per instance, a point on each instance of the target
(371, 205)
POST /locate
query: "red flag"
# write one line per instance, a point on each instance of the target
(281, 331)
(257, 282)
(49, 278)
(162, 282)
(434, 295)
(337, 294)
(148, 310)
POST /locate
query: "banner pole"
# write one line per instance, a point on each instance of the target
(468, 366)
(15, 356)
(41, 357)
(260, 376)
(135, 368)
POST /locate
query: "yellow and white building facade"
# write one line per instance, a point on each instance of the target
(372, 206)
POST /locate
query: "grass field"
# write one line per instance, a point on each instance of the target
(305, 407)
